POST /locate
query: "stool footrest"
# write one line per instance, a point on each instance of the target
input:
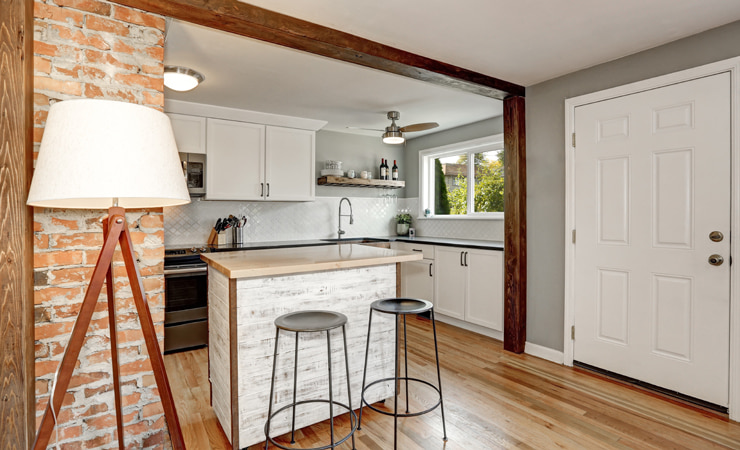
(407, 379)
(352, 420)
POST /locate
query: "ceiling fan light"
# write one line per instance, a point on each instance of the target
(182, 79)
(393, 137)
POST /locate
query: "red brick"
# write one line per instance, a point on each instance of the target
(85, 378)
(39, 117)
(56, 293)
(155, 52)
(50, 330)
(40, 100)
(47, 259)
(106, 25)
(90, 392)
(157, 269)
(153, 284)
(157, 69)
(42, 387)
(71, 275)
(69, 432)
(152, 409)
(41, 64)
(134, 367)
(77, 240)
(132, 399)
(139, 18)
(86, 5)
(155, 439)
(143, 81)
(46, 368)
(152, 221)
(101, 422)
(62, 87)
(122, 47)
(55, 13)
(38, 133)
(98, 441)
(67, 311)
(156, 99)
(40, 350)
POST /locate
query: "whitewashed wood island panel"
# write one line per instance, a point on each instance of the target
(242, 339)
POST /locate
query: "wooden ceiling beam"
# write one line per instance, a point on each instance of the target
(251, 21)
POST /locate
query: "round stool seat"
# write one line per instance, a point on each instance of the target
(307, 321)
(402, 305)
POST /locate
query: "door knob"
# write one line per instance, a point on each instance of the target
(716, 236)
(716, 260)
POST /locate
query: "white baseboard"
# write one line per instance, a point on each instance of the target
(544, 352)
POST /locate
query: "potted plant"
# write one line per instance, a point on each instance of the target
(403, 221)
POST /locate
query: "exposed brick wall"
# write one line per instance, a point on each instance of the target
(96, 49)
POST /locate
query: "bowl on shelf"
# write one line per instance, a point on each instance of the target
(332, 172)
(332, 164)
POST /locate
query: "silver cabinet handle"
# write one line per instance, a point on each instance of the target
(268, 190)
(430, 269)
(415, 250)
(716, 260)
(262, 189)
(461, 258)
(466, 259)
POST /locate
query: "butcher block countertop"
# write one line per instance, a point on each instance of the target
(286, 261)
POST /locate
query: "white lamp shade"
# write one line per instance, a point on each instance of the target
(95, 151)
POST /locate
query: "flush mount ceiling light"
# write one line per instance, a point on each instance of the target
(182, 79)
(392, 135)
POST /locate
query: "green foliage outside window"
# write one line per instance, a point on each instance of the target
(489, 187)
(441, 200)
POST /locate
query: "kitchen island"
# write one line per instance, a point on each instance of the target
(248, 290)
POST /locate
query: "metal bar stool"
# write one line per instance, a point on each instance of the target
(402, 307)
(311, 322)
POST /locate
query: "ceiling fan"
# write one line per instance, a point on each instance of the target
(394, 134)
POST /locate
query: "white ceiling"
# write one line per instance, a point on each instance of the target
(523, 41)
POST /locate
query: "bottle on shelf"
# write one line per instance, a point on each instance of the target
(395, 171)
(382, 169)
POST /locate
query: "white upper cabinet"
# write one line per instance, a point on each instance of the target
(235, 165)
(190, 133)
(249, 161)
(289, 164)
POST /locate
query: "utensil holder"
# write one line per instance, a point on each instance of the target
(237, 235)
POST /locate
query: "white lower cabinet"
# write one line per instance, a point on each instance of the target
(469, 285)
(417, 279)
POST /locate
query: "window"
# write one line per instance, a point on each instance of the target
(463, 179)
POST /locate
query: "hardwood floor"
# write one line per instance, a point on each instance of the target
(493, 399)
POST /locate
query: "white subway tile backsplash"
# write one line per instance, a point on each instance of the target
(282, 221)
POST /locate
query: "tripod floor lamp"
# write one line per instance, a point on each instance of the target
(101, 154)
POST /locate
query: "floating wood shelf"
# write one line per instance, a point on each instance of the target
(360, 182)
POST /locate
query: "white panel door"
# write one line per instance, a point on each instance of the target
(484, 302)
(190, 133)
(235, 166)
(290, 164)
(417, 279)
(450, 282)
(652, 182)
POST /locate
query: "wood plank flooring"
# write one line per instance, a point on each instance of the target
(493, 399)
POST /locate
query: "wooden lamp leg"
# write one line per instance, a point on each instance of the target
(113, 327)
(115, 231)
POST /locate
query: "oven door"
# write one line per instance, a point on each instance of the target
(186, 308)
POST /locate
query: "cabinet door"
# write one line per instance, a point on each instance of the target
(417, 279)
(290, 164)
(235, 164)
(190, 133)
(484, 303)
(450, 282)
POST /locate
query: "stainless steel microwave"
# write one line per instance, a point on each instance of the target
(194, 168)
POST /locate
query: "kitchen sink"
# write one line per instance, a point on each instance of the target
(356, 240)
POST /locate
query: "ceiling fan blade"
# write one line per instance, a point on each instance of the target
(366, 129)
(419, 127)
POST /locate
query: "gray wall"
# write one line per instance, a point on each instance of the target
(546, 161)
(358, 153)
(460, 134)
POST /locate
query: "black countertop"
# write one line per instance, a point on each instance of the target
(429, 240)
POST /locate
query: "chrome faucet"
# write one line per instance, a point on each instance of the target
(340, 232)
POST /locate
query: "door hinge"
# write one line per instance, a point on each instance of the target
(573, 140)
(573, 332)
(573, 236)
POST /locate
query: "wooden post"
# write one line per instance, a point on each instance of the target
(17, 400)
(515, 226)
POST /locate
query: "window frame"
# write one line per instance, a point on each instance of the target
(426, 175)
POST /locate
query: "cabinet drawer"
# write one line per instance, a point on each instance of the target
(426, 249)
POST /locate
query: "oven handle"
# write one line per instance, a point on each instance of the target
(185, 271)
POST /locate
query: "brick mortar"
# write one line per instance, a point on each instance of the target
(96, 49)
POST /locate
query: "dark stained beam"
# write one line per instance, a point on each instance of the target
(258, 23)
(17, 402)
(515, 226)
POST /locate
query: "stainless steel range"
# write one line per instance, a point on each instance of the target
(186, 299)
